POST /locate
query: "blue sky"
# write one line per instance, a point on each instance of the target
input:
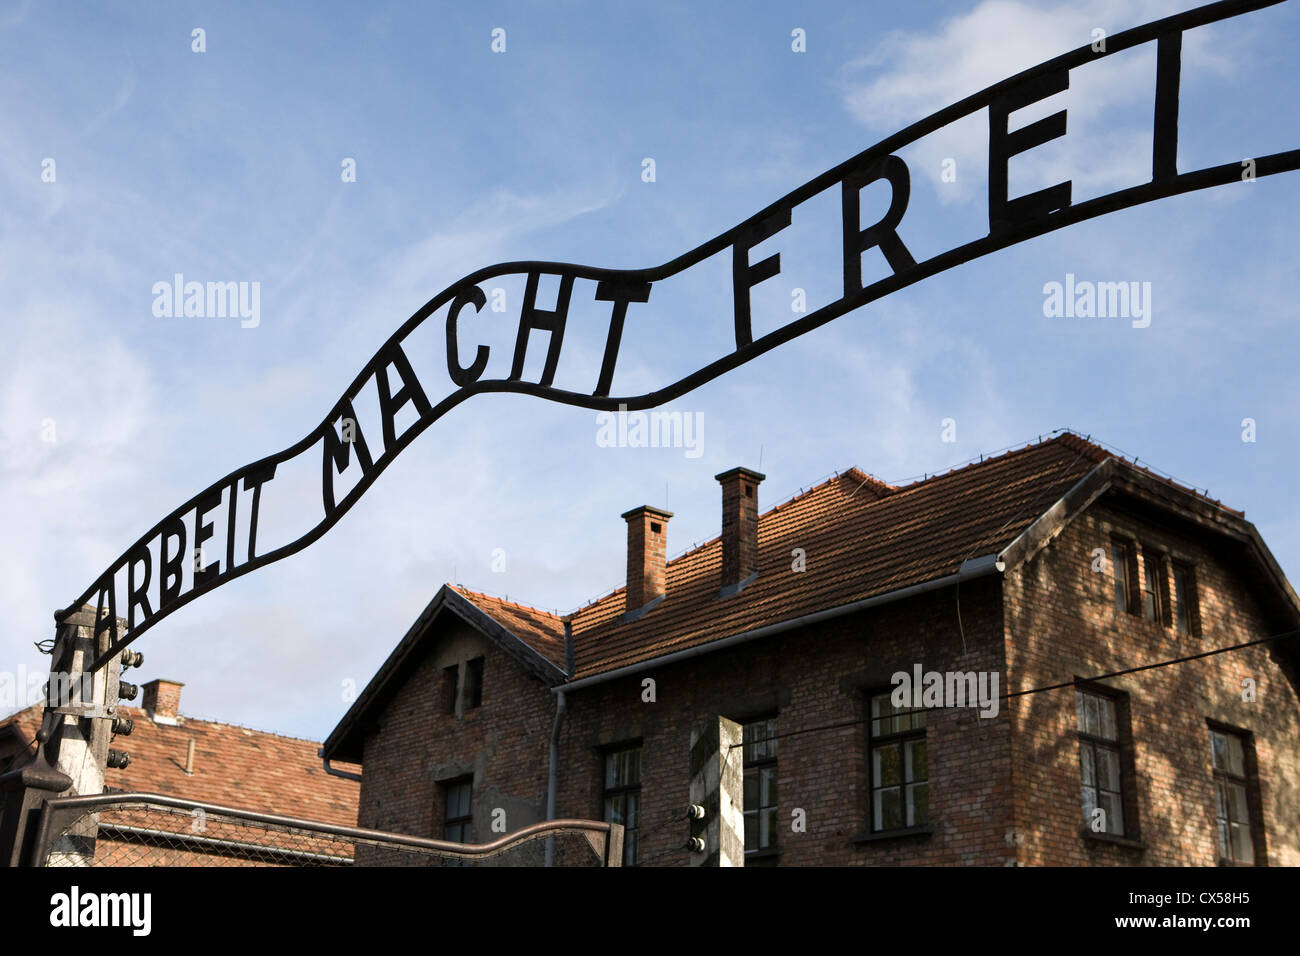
(225, 166)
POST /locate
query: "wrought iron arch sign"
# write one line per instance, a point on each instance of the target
(153, 593)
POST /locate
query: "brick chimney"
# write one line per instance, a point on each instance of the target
(739, 527)
(647, 537)
(162, 700)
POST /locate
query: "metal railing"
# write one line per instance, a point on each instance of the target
(146, 829)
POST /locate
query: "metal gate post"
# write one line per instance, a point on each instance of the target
(72, 744)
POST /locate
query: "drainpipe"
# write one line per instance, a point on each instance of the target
(552, 776)
(553, 773)
(346, 775)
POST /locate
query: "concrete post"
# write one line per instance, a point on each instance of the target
(79, 743)
(717, 765)
(72, 744)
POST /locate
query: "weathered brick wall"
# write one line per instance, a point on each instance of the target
(1001, 789)
(809, 679)
(1062, 624)
(418, 745)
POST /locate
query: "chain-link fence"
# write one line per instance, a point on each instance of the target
(152, 830)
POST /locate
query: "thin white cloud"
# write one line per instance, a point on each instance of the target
(911, 74)
(120, 98)
(479, 235)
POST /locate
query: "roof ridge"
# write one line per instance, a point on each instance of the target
(1084, 445)
(38, 709)
(866, 477)
(696, 548)
(858, 474)
(802, 493)
(466, 592)
(224, 723)
(1066, 437)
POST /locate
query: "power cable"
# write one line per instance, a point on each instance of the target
(1039, 690)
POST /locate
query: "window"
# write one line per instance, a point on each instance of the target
(1152, 574)
(473, 683)
(463, 684)
(900, 772)
(1100, 761)
(458, 816)
(760, 785)
(1162, 590)
(623, 796)
(1186, 615)
(1120, 557)
(1232, 805)
(449, 681)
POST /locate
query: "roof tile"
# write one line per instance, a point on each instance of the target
(233, 766)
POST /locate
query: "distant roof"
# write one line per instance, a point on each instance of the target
(233, 766)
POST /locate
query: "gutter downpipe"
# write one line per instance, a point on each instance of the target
(346, 775)
(969, 570)
(553, 773)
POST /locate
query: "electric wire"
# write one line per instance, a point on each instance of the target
(1048, 687)
(676, 818)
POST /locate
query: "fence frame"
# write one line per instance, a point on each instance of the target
(57, 814)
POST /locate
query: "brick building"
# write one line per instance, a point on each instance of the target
(207, 762)
(1045, 568)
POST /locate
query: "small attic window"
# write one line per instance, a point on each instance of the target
(473, 684)
(449, 677)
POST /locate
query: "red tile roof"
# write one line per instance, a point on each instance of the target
(233, 766)
(543, 631)
(860, 537)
